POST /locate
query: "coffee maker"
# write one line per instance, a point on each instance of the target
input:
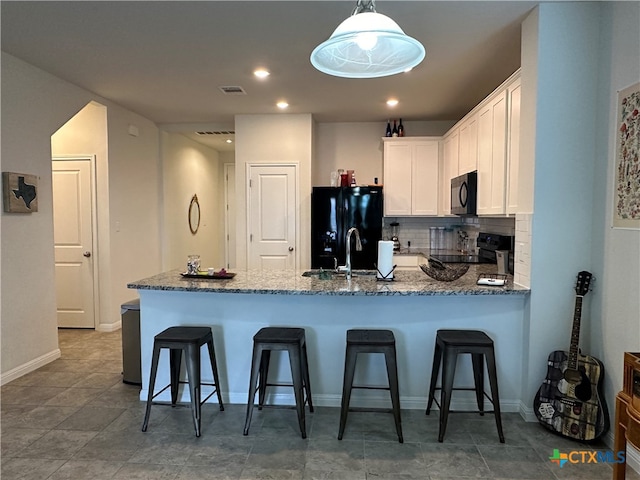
(394, 236)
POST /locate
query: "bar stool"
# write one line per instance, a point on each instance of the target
(187, 340)
(370, 341)
(450, 343)
(293, 341)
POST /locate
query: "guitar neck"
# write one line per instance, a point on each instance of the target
(572, 362)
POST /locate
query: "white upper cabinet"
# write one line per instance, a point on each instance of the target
(450, 157)
(492, 156)
(488, 141)
(411, 167)
(513, 146)
(468, 147)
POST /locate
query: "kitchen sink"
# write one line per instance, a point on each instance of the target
(331, 274)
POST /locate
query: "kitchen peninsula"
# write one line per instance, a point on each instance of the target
(414, 306)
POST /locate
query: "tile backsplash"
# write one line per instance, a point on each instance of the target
(416, 229)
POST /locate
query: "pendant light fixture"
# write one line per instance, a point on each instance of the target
(367, 45)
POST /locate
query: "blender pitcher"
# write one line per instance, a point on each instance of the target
(394, 236)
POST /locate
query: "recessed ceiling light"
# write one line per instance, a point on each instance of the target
(392, 102)
(282, 105)
(229, 140)
(261, 73)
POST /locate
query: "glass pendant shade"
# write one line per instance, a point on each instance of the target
(367, 45)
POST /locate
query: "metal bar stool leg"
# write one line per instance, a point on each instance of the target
(349, 370)
(495, 397)
(175, 361)
(305, 373)
(214, 369)
(392, 374)
(152, 384)
(263, 376)
(298, 386)
(448, 373)
(255, 370)
(477, 359)
(193, 377)
(435, 370)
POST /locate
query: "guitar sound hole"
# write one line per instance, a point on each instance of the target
(572, 376)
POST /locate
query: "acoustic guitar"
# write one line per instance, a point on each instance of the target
(570, 401)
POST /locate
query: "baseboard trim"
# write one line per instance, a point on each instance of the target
(328, 400)
(29, 367)
(109, 327)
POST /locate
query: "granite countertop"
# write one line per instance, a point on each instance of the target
(405, 283)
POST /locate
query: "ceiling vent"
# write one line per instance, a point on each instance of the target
(231, 90)
(221, 132)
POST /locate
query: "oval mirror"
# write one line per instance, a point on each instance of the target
(194, 215)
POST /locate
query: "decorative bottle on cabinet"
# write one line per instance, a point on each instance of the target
(388, 131)
(400, 129)
(394, 132)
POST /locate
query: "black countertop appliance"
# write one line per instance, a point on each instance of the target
(336, 209)
(488, 243)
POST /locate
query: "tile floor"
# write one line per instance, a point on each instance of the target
(75, 419)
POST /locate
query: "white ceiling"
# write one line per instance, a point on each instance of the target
(165, 60)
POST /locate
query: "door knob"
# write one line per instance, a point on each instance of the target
(86, 254)
(291, 249)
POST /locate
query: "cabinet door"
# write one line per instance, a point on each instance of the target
(397, 179)
(450, 151)
(513, 157)
(425, 178)
(492, 154)
(468, 150)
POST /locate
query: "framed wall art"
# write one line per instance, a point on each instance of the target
(19, 192)
(626, 202)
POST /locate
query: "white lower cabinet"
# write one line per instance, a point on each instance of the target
(411, 167)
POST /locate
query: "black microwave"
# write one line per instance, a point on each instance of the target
(463, 194)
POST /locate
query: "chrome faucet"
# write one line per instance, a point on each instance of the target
(358, 248)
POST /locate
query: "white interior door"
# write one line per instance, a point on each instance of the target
(272, 217)
(230, 215)
(73, 237)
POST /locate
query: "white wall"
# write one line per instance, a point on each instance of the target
(358, 146)
(191, 168)
(274, 139)
(615, 312)
(584, 53)
(36, 104)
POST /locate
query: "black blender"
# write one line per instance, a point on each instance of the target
(394, 236)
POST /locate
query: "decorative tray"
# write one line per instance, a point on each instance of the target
(205, 275)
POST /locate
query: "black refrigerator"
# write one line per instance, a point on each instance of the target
(336, 209)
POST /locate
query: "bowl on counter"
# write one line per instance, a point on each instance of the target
(444, 272)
